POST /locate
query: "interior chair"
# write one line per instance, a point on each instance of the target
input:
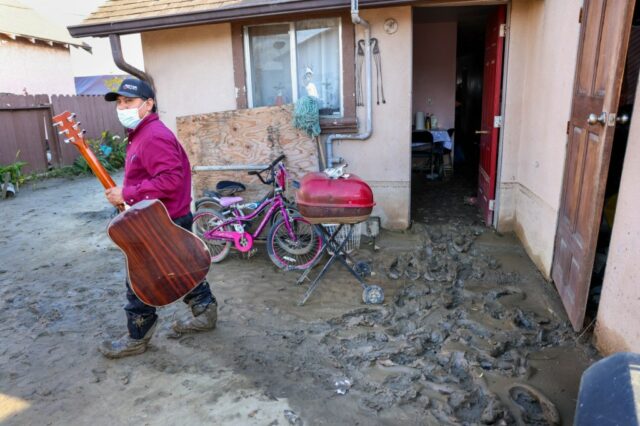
(422, 151)
(448, 157)
(437, 156)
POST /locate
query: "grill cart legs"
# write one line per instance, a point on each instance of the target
(371, 294)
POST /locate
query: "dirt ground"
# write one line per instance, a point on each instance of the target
(469, 333)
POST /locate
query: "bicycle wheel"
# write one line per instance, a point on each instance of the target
(205, 220)
(207, 203)
(299, 253)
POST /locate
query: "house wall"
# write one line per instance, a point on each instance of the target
(541, 65)
(35, 68)
(192, 69)
(384, 160)
(434, 70)
(618, 314)
(193, 72)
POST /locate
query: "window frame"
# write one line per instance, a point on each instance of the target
(348, 122)
(293, 59)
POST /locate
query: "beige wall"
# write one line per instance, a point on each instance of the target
(193, 73)
(434, 70)
(192, 70)
(35, 68)
(617, 327)
(384, 159)
(541, 64)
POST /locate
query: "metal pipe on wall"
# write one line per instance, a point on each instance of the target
(230, 167)
(368, 130)
(118, 58)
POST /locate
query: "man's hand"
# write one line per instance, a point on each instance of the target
(114, 195)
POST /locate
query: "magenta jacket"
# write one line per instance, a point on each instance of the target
(157, 167)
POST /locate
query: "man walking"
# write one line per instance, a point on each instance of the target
(156, 167)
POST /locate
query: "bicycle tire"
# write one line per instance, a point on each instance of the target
(289, 255)
(207, 203)
(205, 220)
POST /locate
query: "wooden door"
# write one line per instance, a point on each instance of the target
(491, 94)
(601, 55)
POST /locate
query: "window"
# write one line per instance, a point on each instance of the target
(285, 61)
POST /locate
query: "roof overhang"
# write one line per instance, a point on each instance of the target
(48, 41)
(219, 15)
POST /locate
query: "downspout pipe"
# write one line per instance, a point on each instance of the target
(118, 58)
(357, 20)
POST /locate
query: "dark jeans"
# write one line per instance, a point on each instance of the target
(141, 317)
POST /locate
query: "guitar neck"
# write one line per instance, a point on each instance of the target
(67, 124)
(93, 162)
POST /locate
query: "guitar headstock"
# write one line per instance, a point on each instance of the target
(69, 128)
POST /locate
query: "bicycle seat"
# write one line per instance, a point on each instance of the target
(229, 201)
(228, 188)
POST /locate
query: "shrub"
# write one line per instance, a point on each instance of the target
(15, 171)
(115, 149)
(110, 151)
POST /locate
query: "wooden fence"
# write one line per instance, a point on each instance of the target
(27, 133)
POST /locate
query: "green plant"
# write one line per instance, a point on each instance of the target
(110, 151)
(15, 171)
(117, 151)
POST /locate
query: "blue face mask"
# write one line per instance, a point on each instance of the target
(129, 118)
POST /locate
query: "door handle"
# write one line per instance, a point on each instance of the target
(623, 119)
(482, 132)
(595, 119)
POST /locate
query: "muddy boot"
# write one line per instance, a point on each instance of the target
(127, 345)
(535, 407)
(397, 267)
(412, 271)
(204, 318)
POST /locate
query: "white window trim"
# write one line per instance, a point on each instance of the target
(294, 62)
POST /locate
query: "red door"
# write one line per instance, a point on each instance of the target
(491, 93)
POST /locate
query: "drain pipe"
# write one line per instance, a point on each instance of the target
(357, 20)
(118, 58)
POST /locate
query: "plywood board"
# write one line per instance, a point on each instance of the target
(246, 136)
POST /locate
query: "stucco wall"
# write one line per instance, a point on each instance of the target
(618, 314)
(384, 159)
(192, 70)
(541, 65)
(35, 68)
(434, 70)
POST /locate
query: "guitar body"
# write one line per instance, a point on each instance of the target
(164, 261)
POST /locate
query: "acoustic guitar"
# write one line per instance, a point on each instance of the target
(164, 261)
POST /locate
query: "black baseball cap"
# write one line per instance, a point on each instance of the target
(131, 88)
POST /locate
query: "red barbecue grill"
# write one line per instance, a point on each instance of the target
(334, 197)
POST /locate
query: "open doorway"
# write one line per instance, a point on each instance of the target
(449, 80)
(618, 150)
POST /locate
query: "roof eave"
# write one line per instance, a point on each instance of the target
(216, 16)
(49, 41)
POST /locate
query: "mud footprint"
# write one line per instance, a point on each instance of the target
(535, 407)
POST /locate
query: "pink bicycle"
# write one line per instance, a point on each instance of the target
(292, 242)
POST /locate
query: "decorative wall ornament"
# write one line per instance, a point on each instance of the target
(390, 26)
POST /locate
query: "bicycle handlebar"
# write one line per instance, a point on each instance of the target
(270, 167)
(277, 160)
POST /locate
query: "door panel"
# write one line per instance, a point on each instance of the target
(491, 91)
(603, 42)
(587, 63)
(575, 171)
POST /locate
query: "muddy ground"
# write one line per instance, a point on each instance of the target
(469, 333)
